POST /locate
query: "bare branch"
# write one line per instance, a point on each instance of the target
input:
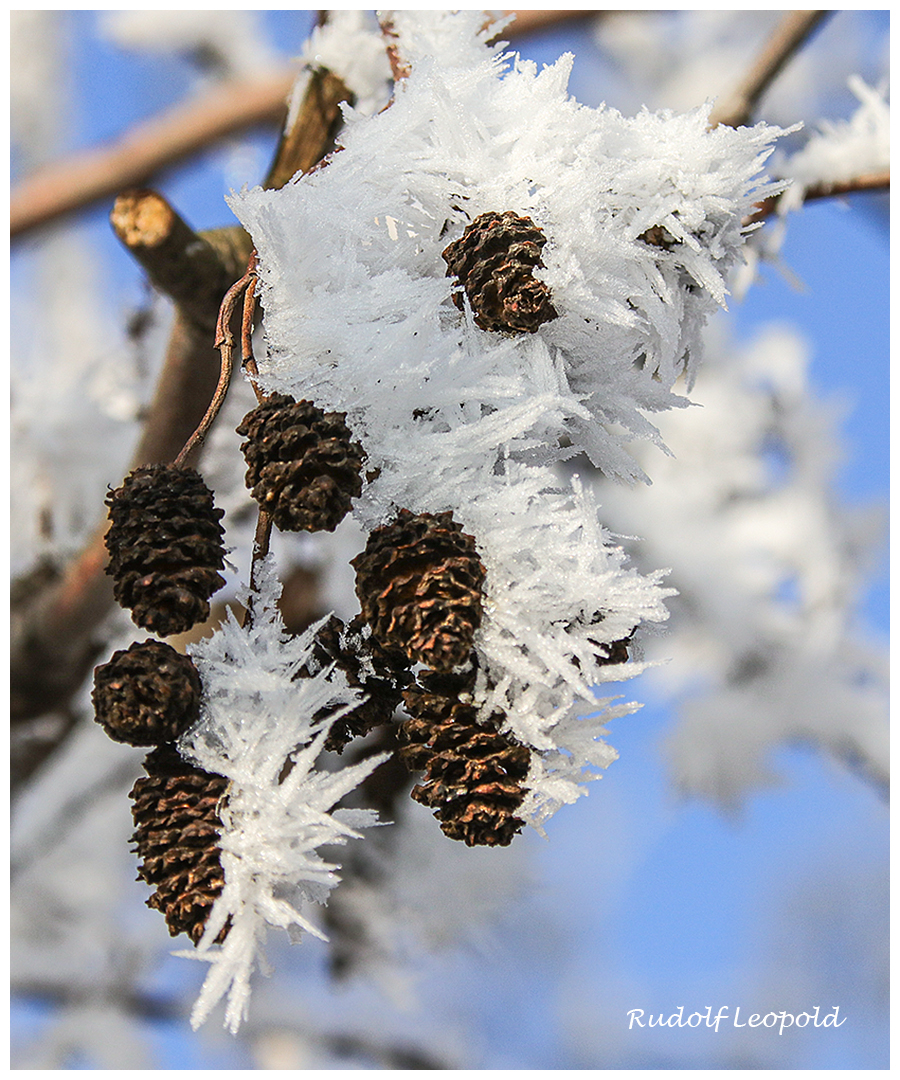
(182, 265)
(533, 20)
(146, 149)
(789, 35)
(869, 182)
(311, 136)
(155, 144)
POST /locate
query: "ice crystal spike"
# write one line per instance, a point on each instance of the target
(472, 773)
(379, 674)
(419, 584)
(147, 694)
(494, 261)
(177, 827)
(165, 546)
(302, 465)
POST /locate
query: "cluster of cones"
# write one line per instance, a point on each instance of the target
(420, 586)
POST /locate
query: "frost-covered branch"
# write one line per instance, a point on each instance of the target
(791, 34)
(826, 189)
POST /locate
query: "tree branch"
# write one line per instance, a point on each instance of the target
(533, 20)
(868, 182)
(52, 630)
(312, 135)
(789, 35)
(186, 267)
(99, 173)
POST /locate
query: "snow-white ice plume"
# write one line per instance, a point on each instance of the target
(843, 149)
(763, 643)
(227, 43)
(257, 729)
(643, 223)
(358, 306)
(351, 46)
(840, 150)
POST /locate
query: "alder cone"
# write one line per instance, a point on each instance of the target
(419, 586)
(165, 546)
(380, 674)
(494, 261)
(472, 772)
(146, 694)
(177, 826)
(303, 467)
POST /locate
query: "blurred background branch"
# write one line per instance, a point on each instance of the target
(792, 32)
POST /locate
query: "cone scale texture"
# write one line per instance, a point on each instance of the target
(147, 694)
(419, 586)
(165, 547)
(177, 826)
(302, 465)
(473, 773)
(494, 261)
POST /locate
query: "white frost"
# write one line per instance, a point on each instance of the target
(257, 718)
(359, 317)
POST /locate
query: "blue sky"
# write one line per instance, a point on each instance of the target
(667, 903)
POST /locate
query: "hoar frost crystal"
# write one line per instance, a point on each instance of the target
(456, 418)
(487, 279)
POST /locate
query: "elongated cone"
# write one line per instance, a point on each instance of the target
(473, 773)
(177, 825)
(419, 586)
(165, 547)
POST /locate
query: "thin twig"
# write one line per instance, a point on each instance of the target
(261, 541)
(225, 344)
(795, 27)
(869, 182)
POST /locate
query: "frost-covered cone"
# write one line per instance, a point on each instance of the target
(358, 314)
(643, 224)
(419, 584)
(378, 674)
(262, 727)
(165, 547)
(146, 694)
(302, 465)
(494, 261)
(176, 816)
(473, 774)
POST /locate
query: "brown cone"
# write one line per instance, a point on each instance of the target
(165, 547)
(494, 261)
(177, 826)
(147, 694)
(419, 586)
(472, 773)
(301, 463)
